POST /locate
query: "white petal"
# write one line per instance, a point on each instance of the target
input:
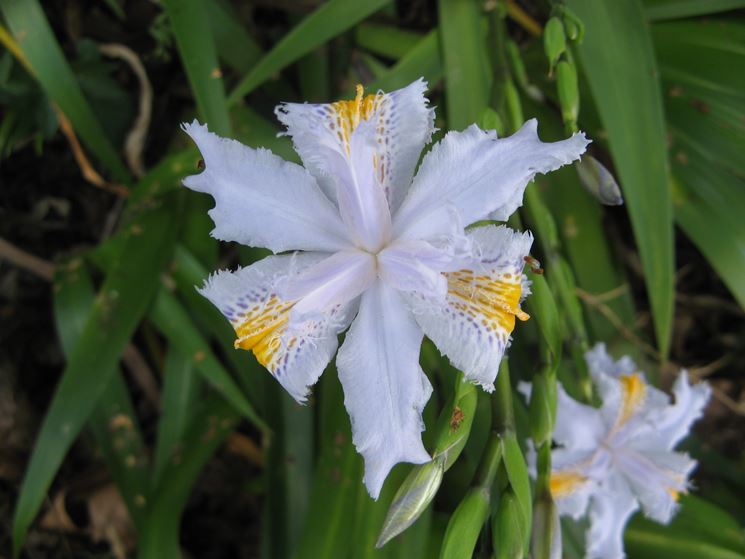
(295, 352)
(599, 361)
(403, 123)
(572, 497)
(334, 281)
(578, 426)
(473, 325)
(262, 200)
(627, 399)
(656, 477)
(385, 389)
(416, 266)
(609, 513)
(673, 423)
(362, 202)
(477, 174)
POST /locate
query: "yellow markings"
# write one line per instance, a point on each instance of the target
(634, 391)
(565, 482)
(493, 300)
(674, 493)
(262, 328)
(350, 113)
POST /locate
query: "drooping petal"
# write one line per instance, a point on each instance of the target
(295, 351)
(656, 477)
(473, 325)
(262, 200)
(334, 281)
(674, 422)
(402, 121)
(385, 389)
(478, 175)
(571, 490)
(610, 510)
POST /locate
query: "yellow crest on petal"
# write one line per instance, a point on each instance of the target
(634, 391)
(261, 327)
(565, 482)
(492, 300)
(350, 113)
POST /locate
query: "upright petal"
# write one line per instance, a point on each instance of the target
(578, 426)
(478, 176)
(472, 326)
(599, 361)
(403, 125)
(362, 202)
(385, 389)
(295, 351)
(262, 200)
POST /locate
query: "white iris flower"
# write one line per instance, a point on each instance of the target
(379, 251)
(619, 457)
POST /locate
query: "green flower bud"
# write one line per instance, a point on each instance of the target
(545, 542)
(599, 181)
(412, 498)
(554, 40)
(465, 525)
(566, 84)
(509, 528)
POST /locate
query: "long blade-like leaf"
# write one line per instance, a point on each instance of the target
(34, 35)
(619, 62)
(121, 303)
(328, 21)
(199, 56)
(466, 69)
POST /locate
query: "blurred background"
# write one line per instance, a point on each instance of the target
(129, 425)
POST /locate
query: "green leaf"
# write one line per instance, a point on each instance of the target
(178, 397)
(196, 46)
(171, 319)
(212, 421)
(720, 242)
(328, 21)
(423, 60)
(113, 421)
(31, 29)
(651, 542)
(386, 40)
(467, 79)
(622, 76)
(327, 533)
(657, 10)
(233, 43)
(120, 304)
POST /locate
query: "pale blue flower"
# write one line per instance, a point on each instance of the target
(383, 255)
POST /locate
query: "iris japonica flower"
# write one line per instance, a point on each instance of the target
(376, 252)
(617, 458)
